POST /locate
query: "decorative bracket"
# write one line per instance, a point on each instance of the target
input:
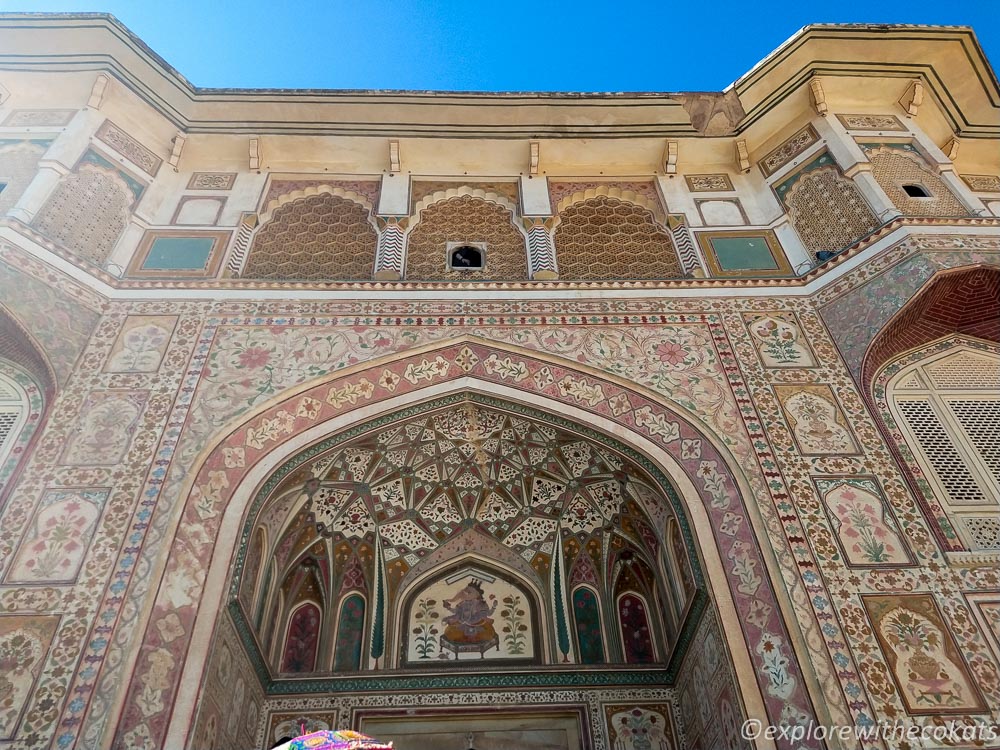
(4, 94)
(175, 153)
(394, 165)
(670, 158)
(255, 153)
(534, 149)
(951, 148)
(912, 98)
(742, 156)
(818, 97)
(97, 92)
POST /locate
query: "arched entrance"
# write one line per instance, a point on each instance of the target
(769, 681)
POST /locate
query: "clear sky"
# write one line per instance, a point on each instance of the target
(498, 45)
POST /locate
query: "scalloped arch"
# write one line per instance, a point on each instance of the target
(613, 191)
(464, 191)
(308, 192)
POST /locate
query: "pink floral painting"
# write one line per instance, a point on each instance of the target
(57, 540)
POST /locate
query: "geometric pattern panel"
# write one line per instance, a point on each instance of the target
(605, 238)
(466, 219)
(895, 166)
(87, 213)
(318, 237)
(828, 211)
(18, 164)
(938, 446)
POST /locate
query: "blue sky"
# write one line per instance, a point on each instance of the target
(504, 45)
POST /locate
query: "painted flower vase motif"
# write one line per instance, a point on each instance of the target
(780, 343)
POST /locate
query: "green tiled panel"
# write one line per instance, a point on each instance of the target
(178, 254)
(743, 254)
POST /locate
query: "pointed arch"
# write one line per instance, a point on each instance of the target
(654, 433)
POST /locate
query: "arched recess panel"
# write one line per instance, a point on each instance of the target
(88, 212)
(607, 238)
(589, 633)
(350, 634)
(318, 237)
(844, 215)
(301, 646)
(466, 219)
(633, 619)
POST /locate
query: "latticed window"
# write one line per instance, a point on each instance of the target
(948, 408)
(13, 413)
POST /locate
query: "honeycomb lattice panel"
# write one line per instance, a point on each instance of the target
(984, 531)
(466, 219)
(980, 418)
(966, 371)
(18, 165)
(893, 168)
(316, 238)
(87, 213)
(937, 446)
(604, 238)
(828, 211)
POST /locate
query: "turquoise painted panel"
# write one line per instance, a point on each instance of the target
(743, 254)
(179, 254)
(347, 655)
(588, 626)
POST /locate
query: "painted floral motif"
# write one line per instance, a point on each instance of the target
(925, 663)
(779, 342)
(866, 534)
(635, 630)
(514, 628)
(816, 420)
(23, 643)
(775, 665)
(141, 345)
(107, 423)
(587, 617)
(59, 536)
(640, 729)
(426, 629)
(302, 640)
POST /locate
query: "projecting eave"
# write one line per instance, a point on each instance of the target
(947, 60)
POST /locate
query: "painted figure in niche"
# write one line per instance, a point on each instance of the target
(927, 673)
(640, 729)
(815, 425)
(470, 626)
(780, 343)
(859, 518)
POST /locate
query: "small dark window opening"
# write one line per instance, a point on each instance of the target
(2, 186)
(467, 257)
(916, 191)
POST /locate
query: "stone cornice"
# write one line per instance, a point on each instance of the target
(948, 61)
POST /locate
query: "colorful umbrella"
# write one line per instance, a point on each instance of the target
(342, 739)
